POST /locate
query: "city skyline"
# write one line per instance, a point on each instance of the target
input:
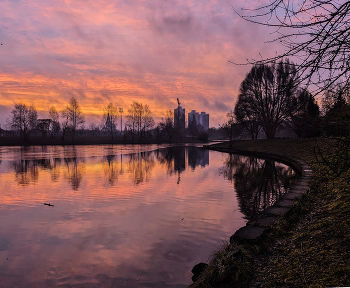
(122, 51)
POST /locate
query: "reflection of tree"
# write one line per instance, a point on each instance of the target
(74, 172)
(140, 166)
(258, 183)
(55, 172)
(111, 169)
(174, 159)
(26, 171)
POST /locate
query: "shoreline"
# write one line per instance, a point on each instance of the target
(308, 246)
(255, 235)
(16, 141)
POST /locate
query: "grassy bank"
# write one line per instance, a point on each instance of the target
(309, 247)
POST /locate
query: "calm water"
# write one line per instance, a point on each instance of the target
(123, 216)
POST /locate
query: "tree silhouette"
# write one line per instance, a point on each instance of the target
(337, 114)
(110, 115)
(55, 124)
(23, 119)
(317, 32)
(306, 118)
(230, 128)
(266, 96)
(139, 120)
(166, 125)
(72, 116)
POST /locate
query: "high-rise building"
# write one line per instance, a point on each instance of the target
(179, 119)
(204, 121)
(200, 120)
(193, 116)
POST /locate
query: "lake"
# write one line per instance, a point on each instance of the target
(124, 215)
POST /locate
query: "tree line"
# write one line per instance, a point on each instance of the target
(271, 99)
(139, 123)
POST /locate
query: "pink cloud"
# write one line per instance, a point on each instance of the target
(120, 51)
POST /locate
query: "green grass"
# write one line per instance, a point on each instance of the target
(315, 236)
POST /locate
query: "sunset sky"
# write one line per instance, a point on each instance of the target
(151, 51)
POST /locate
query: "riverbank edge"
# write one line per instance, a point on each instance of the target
(79, 140)
(250, 240)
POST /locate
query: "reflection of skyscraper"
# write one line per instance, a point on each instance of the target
(204, 159)
(179, 119)
(179, 159)
(197, 156)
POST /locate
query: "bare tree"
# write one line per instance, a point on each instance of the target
(23, 119)
(316, 32)
(133, 119)
(139, 120)
(147, 121)
(73, 117)
(266, 95)
(110, 115)
(247, 118)
(166, 125)
(64, 122)
(230, 128)
(55, 124)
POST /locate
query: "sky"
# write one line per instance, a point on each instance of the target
(119, 51)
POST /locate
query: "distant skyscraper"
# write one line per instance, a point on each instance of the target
(193, 116)
(201, 120)
(179, 119)
(204, 121)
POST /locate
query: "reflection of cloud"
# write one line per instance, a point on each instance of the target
(112, 235)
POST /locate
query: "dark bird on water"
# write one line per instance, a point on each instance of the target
(48, 204)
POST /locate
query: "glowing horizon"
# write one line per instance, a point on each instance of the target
(122, 51)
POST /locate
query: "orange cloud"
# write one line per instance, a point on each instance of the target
(119, 51)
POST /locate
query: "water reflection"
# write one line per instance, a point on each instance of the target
(258, 182)
(74, 172)
(174, 158)
(138, 219)
(111, 169)
(198, 157)
(26, 171)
